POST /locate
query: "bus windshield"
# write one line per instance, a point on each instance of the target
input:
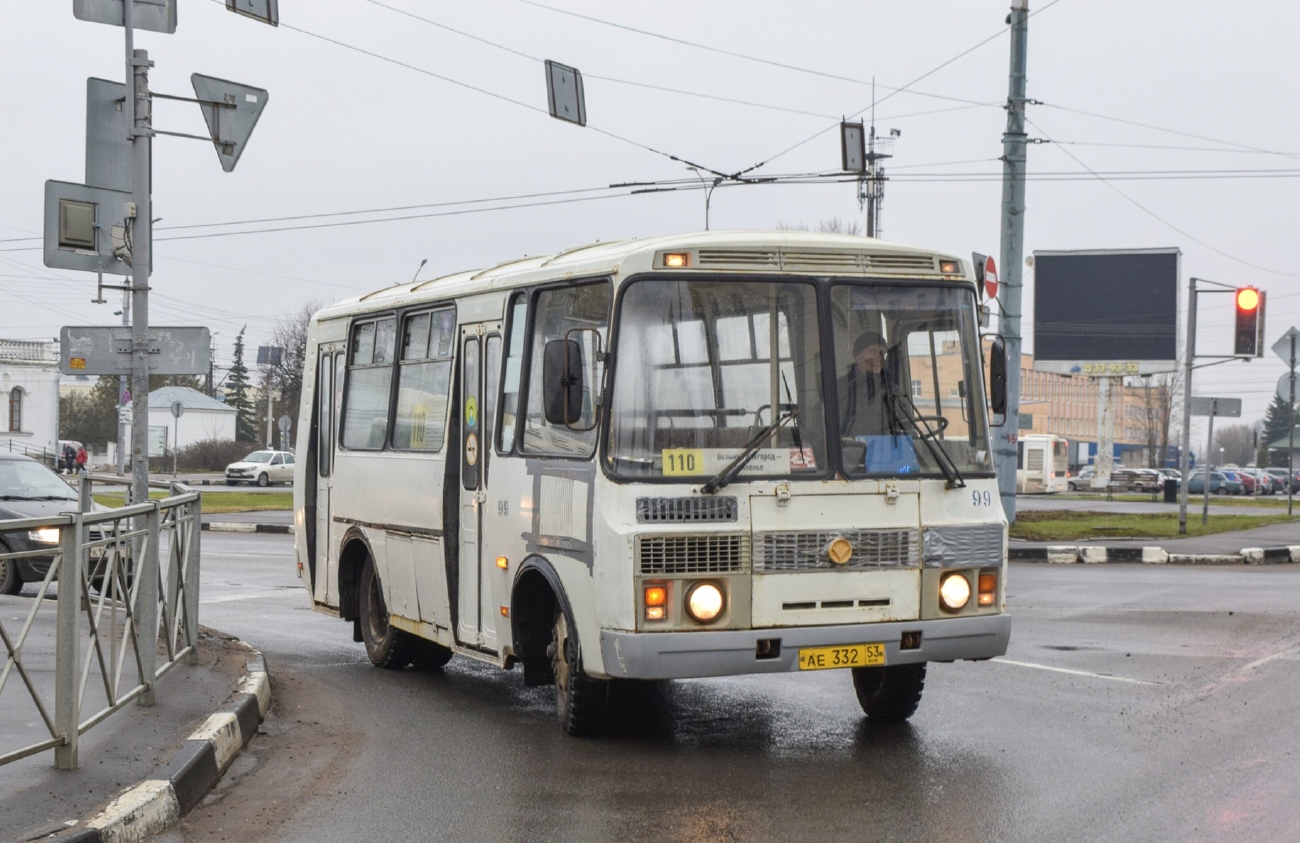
(725, 377)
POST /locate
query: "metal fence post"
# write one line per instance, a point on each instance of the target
(67, 645)
(147, 608)
(191, 563)
(85, 501)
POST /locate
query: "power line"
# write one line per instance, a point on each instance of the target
(1162, 220)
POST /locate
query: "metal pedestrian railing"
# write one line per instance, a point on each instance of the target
(125, 614)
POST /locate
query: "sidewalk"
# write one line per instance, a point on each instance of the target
(154, 763)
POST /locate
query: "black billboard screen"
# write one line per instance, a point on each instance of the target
(1106, 305)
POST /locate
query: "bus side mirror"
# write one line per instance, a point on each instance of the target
(998, 377)
(562, 385)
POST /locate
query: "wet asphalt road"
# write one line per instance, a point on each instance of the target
(1136, 703)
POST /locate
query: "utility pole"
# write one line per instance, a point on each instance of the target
(875, 183)
(123, 387)
(1012, 248)
(141, 232)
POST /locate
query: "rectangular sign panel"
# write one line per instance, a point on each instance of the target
(92, 350)
(1106, 313)
(1230, 407)
(153, 15)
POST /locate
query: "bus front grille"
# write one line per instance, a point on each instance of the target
(714, 553)
(680, 510)
(806, 551)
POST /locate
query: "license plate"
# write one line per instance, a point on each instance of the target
(846, 655)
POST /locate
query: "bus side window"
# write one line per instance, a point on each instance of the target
(510, 377)
(325, 414)
(424, 380)
(557, 311)
(370, 378)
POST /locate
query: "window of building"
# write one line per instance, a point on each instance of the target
(16, 409)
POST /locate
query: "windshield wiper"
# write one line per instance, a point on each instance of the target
(927, 435)
(734, 467)
(39, 498)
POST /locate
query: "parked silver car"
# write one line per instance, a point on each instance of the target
(262, 468)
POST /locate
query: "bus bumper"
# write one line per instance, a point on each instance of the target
(685, 655)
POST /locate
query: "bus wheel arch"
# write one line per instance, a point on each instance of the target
(354, 552)
(546, 641)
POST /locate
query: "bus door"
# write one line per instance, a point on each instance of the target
(480, 362)
(329, 391)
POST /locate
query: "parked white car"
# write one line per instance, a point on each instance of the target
(262, 468)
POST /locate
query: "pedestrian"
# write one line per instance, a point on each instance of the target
(81, 458)
(69, 459)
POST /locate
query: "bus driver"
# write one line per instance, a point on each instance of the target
(866, 408)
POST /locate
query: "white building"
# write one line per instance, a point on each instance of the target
(29, 382)
(201, 418)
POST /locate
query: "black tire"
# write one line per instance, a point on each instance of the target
(263, 480)
(581, 703)
(386, 647)
(11, 582)
(889, 694)
(429, 655)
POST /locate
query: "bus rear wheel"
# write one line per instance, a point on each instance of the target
(429, 655)
(581, 703)
(385, 646)
(889, 694)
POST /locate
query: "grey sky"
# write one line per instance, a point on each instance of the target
(346, 131)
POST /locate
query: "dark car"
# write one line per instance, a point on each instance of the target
(1280, 475)
(29, 489)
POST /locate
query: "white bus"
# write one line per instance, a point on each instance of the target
(1044, 464)
(687, 456)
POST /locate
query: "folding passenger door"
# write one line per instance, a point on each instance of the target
(480, 362)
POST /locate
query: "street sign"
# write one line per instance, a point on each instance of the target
(178, 409)
(157, 440)
(108, 136)
(231, 111)
(1282, 348)
(269, 355)
(1285, 389)
(853, 148)
(267, 11)
(153, 15)
(82, 226)
(1229, 407)
(283, 423)
(564, 93)
(86, 350)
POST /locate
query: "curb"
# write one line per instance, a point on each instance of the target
(156, 804)
(240, 527)
(1092, 555)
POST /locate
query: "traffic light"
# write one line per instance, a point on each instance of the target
(1250, 322)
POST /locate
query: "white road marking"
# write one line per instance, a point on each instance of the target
(1074, 672)
(1288, 651)
(232, 598)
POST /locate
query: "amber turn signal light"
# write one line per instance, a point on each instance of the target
(988, 589)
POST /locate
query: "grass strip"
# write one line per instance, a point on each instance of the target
(215, 503)
(1046, 526)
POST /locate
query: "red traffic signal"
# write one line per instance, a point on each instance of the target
(1249, 322)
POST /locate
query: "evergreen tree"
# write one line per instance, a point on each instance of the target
(237, 393)
(1276, 421)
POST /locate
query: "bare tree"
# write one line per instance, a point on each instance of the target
(286, 378)
(835, 225)
(1237, 442)
(1160, 395)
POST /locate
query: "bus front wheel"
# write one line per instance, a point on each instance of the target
(889, 694)
(385, 646)
(581, 702)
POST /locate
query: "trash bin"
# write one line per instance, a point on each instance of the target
(1171, 490)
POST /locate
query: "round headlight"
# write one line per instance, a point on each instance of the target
(704, 602)
(954, 592)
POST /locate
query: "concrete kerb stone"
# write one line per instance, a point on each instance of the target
(1097, 555)
(157, 803)
(241, 527)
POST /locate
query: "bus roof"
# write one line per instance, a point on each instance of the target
(799, 252)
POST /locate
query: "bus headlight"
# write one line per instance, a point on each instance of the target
(45, 535)
(704, 602)
(954, 592)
